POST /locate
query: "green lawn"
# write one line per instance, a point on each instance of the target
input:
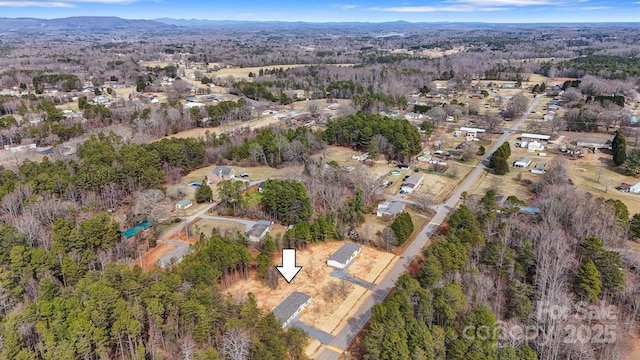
(253, 198)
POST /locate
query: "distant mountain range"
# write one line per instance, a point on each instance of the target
(107, 23)
(110, 23)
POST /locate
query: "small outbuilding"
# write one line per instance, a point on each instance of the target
(341, 258)
(287, 311)
(522, 162)
(184, 204)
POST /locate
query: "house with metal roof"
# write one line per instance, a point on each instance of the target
(390, 208)
(174, 256)
(259, 230)
(287, 311)
(412, 183)
(522, 162)
(343, 256)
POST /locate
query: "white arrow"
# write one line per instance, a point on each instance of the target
(289, 270)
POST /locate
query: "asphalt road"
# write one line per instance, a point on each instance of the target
(343, 339)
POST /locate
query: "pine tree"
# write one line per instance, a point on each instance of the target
(619, 147)
(587, 283)
(204, 193)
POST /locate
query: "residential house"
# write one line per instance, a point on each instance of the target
(635, 188)
(522, 162)
(220, 173)
(413, 116)
(174, 256)
(343, 256)
(390, 209)
(184, 204)
(534, 146)
(259, 230)
(412, 183)
(287, 311)
(539, 168)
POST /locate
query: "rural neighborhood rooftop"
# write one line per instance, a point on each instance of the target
(290, 307)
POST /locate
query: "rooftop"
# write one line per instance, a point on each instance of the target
(413, 179)
(222, 170)
(290, 305)
(344, 253)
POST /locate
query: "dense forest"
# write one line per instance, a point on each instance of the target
(55, 307)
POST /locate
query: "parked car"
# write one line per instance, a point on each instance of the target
(244, 174)
(403, 166)
(390, 183)
(405, 177)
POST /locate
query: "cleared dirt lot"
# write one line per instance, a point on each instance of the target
(313, 280)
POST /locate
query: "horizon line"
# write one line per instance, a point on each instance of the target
(328, 22)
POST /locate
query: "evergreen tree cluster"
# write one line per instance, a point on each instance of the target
(402, 227)
(619, 148)
(66, 308)
(287, 201)
(600, 270)
(499, 159)
(357, 131)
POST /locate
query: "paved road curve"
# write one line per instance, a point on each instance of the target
(343, 339)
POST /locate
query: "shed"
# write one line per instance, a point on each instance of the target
(259, 230)
(174, 256)
(522, 162)
(291, 307)
(184, 204)
(343, 256)
(635, 188)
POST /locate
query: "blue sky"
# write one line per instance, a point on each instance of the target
(325, 11)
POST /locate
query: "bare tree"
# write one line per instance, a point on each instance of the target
(389, 238)
(236, 344)
(147, 203)
(517, 105)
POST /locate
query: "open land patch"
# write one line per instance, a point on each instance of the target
(313, 280)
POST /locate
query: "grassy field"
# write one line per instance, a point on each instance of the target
(206, 226)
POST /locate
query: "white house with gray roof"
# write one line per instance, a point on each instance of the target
(343, 256)
(391, 209)
(287, 311)
(174, 256)
(259, 230)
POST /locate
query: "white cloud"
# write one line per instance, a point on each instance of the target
(35, 3)
(488, 3)
(63, 4)
(348, 7)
